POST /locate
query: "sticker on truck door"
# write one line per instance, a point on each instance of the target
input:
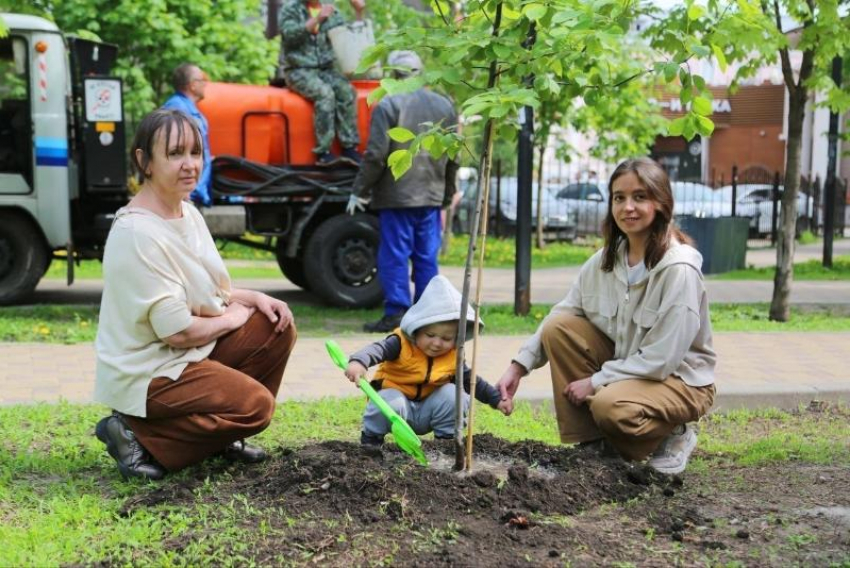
(103, 100)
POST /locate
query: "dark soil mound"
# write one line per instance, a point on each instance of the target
(514, 488)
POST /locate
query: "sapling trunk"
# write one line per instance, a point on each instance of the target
(473, 379)
(483, 177)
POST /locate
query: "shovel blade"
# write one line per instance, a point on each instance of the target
(409, 442)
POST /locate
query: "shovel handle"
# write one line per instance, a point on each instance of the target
(382, 405)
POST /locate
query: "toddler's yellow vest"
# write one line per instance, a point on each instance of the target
(413, 373)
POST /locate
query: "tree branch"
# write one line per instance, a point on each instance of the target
(787, 71)
(442, 15)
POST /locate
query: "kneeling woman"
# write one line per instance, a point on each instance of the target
(190, 365)
(630, 347)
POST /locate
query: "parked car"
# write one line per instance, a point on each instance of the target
(755, 200)
(556, 219)
(700, 200)
(586, 203)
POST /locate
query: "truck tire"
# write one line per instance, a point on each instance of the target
(292, 268)
(341, 261)
(23, 257)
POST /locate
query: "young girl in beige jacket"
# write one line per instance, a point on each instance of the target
(630, 347)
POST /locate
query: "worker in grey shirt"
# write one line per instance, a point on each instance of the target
(409, 207)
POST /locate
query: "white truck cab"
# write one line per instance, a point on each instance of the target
(62, 150)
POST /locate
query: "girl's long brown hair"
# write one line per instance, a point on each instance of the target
(653, 177)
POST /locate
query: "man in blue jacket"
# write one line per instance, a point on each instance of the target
(189, 84)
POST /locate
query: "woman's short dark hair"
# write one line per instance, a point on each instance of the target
(160, 120)
(653, 177)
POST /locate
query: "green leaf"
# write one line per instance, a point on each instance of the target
(436, 149)
(690, 130)
(402, 135)
(399, 162)
(721, 58)
(398, 86)
(452, 76)
(371, 55)
(701, 51)
(428, 141)
(670, 70)
(499, 111)
(376, 95)
(534, 12)
(676, 127)
(503, 52)
(509, 13)
(695, 12)
(704, 125)
(702, 106)
(441, 7)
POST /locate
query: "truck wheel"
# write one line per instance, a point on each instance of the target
(292, 268)
(341, 261)
(23, 258)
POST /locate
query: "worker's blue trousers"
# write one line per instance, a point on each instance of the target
(410, 235)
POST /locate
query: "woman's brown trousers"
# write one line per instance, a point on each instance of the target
(634, 415)
(226, 397)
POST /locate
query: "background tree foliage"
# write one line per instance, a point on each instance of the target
(766, 33)
(224, 37)
(584, 67)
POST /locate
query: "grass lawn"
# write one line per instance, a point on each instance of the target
(499, 253)
(77, 324)
(63, 503)
(809, 270)
(93, 270)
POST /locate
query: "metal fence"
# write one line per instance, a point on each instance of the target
(574, 202)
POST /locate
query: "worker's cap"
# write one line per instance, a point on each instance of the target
(405, 61)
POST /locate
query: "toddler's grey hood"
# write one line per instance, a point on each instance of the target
(439, 302)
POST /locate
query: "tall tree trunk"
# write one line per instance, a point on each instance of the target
(780, 309)
(798, 94)
(539, 235)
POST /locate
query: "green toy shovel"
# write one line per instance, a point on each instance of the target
(404, 435)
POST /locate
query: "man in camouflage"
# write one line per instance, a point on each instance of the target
(309, 71)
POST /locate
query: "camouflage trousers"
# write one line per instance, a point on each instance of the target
(334, 105)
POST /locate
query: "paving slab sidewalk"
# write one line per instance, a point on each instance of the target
(754, 370)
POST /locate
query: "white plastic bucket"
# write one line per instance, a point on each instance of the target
(349, 41)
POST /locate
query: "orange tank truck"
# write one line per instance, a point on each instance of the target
(268, 124)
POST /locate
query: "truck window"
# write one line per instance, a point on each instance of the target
(15, 115)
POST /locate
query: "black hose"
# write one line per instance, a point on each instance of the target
(234, 176)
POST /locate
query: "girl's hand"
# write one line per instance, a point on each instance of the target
(506, 406)
(354, 371)
(578, 391)
(509, 383)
